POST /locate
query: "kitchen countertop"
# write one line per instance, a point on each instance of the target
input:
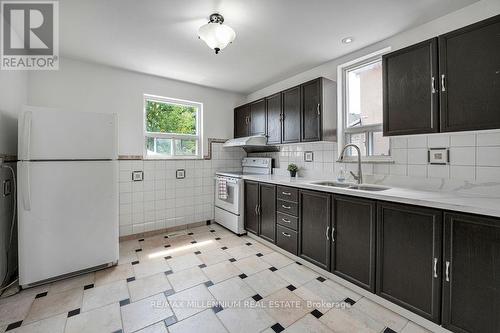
(460, 199)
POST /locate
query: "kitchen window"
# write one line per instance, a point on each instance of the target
(172, 128)
(362, 108)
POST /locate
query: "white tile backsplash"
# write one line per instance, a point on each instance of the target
(162, 201)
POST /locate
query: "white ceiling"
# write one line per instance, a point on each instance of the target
(275, 38)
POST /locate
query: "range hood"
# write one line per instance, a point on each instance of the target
(251, 144)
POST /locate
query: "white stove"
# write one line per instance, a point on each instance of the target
(229, 210)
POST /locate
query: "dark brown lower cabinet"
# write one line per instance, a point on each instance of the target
(314, 230)
(353, 240)
(251, 205)
(286, 239)
(267, 212)
(471, 282)
(260, 209)
(409, 253)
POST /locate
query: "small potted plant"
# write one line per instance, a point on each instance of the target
(293, 168)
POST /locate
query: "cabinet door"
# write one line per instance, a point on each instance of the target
(314, 231)
(241, 121)
(258, 117)
(273, 109)
(409, 247)
(291, 115)
(267, 210)
(251, 206)
(411, 83)
(311, 111)
(353, 240)
(469, 60)
(471, 289)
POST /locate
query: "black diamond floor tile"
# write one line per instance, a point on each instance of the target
(73, 312)
(316, 313)
(257, 297)
(291, 287)
(125, 302)
(350, 301)
(277, 328)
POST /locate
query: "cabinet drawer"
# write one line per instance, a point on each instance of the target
(290, 208)
(287, 220)
(286, 239)
(288, 193)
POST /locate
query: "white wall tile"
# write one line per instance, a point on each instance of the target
(438, 141)
(417, 156)
(399, 142)
(463, 156)
(400, 156)
(488, 156)
(417, 171)
(488, 138)
(463, 172)
(417, 141)
(463, 140)
(438, 171)
(487, 174)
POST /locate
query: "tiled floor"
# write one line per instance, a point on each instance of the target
(204, 279)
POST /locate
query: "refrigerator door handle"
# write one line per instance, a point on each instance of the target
(26, 190)
(26, 136)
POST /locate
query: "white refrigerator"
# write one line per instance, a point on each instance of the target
(67, 193)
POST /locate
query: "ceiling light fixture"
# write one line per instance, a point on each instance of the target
(348, 40)
(216, 34)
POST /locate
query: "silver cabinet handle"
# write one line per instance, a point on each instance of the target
(285, 234)
(433, 85)
(435, 267)
(286, 207)
(286, 193)
(447, 271)
(256, 211)
(286, 221)
(317, 109)
(443, 79)
(327, 229)
(333, 237)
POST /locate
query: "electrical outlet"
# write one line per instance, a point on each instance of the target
(137, 176)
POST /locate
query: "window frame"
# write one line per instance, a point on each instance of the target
(174, 136)
(368, 130)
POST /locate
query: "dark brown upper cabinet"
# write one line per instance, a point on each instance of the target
(411, 90)
(242, 121)
(450, 83)
(471, 278)
(291, 115)
(409, 256)
(305, 113)
(318, 111)
(314, 230)
(258, 117)
(273, 109)
(353, 240)
(469, 63)
(311, 111)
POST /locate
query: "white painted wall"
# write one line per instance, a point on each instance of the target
(83, 86)
(465, 16)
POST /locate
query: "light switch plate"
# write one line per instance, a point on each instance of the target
(137, 176)
(180, 173)
(308, 156)
(439, 156)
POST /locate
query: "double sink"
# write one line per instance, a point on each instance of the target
(350, 186)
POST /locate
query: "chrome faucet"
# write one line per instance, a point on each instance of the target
(359, 177)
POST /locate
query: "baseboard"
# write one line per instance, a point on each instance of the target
(164, 230)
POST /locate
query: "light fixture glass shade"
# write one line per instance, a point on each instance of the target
(216, 35)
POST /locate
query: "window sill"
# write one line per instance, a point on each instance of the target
(368, 159)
